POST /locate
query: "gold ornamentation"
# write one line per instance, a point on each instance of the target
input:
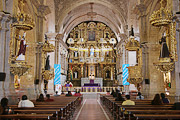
(132, 44)
(161, 17)
(135, 74)
(173, 42)
(48, 74)
(47, 47)
(19, 68)
(23, 21)
(165, 66)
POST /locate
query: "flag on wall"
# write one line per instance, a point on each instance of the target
(125, 74)
(57, 71)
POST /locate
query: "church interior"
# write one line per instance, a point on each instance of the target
(53, 47)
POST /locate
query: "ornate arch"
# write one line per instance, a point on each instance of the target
(107, 70)
(74, 69)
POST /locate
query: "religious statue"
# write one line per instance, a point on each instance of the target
(92, 51)
(131, 33)
(47, 66)
(164, 48)
(45, 36)
(22, 49)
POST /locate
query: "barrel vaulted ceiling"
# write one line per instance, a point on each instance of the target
(69, 13)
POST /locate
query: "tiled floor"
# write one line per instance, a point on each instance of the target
(91, 110)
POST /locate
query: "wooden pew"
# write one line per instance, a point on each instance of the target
(27, 116)
(131, 112)
(55, 112)
(65, 105)
(157, 116)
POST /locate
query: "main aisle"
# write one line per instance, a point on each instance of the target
(91, 109)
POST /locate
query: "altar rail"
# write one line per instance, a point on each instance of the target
(89, 89)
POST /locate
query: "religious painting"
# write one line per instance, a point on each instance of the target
(91, 36)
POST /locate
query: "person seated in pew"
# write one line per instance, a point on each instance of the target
(48, 99)
(41, 98)
(112, 92)
(119, 98)
(77, 93)
(156, 100)
(176, 106)
(4, 109)
(69, 93)
(128, 101)
(164, 99)
(115, 93)
(25, 102)
(56, 94)
(139, 96)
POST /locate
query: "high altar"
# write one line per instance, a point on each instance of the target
(86, 82)
(92, 54)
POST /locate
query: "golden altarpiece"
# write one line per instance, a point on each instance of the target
(91, 53)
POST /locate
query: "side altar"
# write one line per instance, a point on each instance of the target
(98, 82)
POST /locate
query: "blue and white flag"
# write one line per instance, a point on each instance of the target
(125, 74)
(57, 71)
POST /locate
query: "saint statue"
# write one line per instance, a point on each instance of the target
(131, 33)
(46, 38)
(47, 66)
(22, 49)
(164, 48)
(92, 51)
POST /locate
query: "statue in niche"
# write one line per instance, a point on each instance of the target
(131, 33)
(164, 53)
(47, 66)
(92, 51)
(107, 35)
(22, 48)
(76, 34)
(45, 36)
(107, 74)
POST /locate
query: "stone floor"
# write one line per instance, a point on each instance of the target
(91, 109)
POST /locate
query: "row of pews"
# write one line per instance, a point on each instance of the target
(141, 110)
(62, 108)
